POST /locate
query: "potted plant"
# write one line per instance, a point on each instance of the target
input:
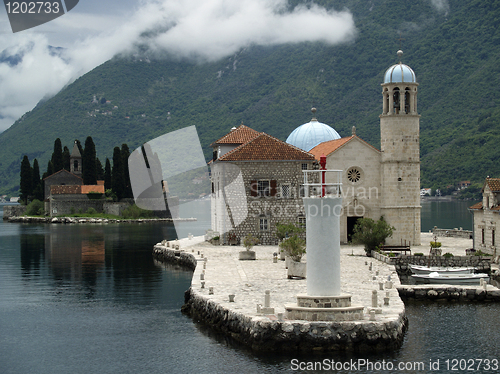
(435, 248)
(216, 240)
(284, 230)
(248, 242)
(295, 247)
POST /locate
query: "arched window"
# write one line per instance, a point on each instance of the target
(396, 104)
(407, 100)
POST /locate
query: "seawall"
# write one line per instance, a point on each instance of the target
(219, 274)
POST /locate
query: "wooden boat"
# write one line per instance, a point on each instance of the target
(418, 269)
(455, 279)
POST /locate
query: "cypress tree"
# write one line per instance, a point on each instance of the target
(89, 171)
(107, 175)
(57, 156)
(99, 169)
(66, 158)
(117, 177)
(25, 184)
(126, 175)
(37, 187)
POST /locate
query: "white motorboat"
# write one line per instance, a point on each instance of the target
(458, 279)
(418, 269)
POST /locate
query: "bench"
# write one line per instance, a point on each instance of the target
(396, 248)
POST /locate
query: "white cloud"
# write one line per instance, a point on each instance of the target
(441, 5)
(203, 29)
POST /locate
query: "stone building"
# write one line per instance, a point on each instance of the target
(487, 218)
(376, 183)
(256, 181)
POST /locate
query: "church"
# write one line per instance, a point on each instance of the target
(375, 182)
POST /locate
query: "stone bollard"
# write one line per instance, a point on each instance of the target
(202, 276)
(380, 286)
(210, 290)
(376, 273)
(374, 299)
(374, 278)
(366, 262)
(198, 253)
(386, 298)
(275, 257)
(372, 315)
(231, 298)
(280, 316)
(201, 255)
(259, 306)
(204, 265)
(202, 284)
(370, 267)
(388, 284)
(267, 299)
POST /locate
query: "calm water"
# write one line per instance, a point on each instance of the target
(446, 214)
(87, 299)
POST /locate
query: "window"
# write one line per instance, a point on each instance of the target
(286, 190)
(302, 221)
(354, 174)
(304, 166)
(482, 236)
(264, 187)
(493, 237)
(263, 224)
(302, 191)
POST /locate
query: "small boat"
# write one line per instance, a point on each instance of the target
(459, 279)
(418, 269)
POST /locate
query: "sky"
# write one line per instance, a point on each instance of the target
(95, 31)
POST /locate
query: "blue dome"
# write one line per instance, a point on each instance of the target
(309, 135)
(400, 73)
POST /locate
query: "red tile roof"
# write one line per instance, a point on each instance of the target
(331, 146)
(241, 135)
(477, 206)
(493, 184)
(266, 147)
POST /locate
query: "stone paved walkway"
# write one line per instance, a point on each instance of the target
(248, 280)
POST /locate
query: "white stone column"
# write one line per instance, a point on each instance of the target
(323, 245)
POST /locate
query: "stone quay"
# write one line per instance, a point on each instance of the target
(246, 299)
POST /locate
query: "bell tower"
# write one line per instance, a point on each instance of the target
(400, 160)
(75, 163)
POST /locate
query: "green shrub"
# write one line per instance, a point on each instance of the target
(481, 253)
(249, 241)
(91, 211)
(435, 244)
(448, 254)
(287, 229)
(35, 208)
(418, 254)
(371, 233)
(294, 247)
(134, 212)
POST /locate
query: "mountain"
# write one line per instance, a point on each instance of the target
(453, 47)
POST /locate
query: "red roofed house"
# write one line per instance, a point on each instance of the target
(487, 218)
(267, 175)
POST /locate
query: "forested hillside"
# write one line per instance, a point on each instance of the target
(454, 51)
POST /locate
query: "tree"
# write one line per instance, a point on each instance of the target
(50, 170)
(66, 158)
(117, 177)
(107, 175)
(37, 187)
(89, 172)
(370, 233)
(126, 175)
(57, 156)
(99, 170)
(25, 184)
(284, 230)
